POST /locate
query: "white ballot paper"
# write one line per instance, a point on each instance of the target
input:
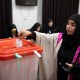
(18, 43)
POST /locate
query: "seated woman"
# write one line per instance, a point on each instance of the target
(12, 31)
(49, 27)
(35, 27)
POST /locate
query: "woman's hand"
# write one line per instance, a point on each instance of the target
(23, 34)
(69, 65)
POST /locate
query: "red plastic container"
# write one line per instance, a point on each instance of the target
(8, 48)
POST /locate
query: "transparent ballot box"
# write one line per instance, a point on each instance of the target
(18, 59)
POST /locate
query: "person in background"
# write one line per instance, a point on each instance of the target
(67, 46)
(12, 30)
(49, 28)
(35, 27)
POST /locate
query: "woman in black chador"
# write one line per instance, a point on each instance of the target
(36, 27)
(12, 30)
(68, 52)
(49, 27)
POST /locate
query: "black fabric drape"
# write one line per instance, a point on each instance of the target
(59, 10)
(5, 16)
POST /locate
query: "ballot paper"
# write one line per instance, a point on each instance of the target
(18, 43)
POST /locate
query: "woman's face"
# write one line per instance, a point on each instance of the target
(38, 28)
(70, 27)
(50, 23)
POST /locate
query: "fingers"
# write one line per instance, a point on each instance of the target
(69, 65)
(23, 34)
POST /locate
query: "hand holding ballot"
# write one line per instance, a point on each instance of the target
(23, 34)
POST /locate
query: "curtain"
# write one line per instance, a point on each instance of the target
(5, 16)
(59, 10)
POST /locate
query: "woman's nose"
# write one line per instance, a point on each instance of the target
(68, 26)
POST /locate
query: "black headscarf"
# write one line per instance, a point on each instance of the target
(47, 28)
(70, 42)
(35, 26)
(9, 28)
(73, 40)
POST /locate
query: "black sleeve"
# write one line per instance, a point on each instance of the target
(33, 36)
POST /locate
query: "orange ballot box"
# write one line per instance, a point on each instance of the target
(19, 59)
